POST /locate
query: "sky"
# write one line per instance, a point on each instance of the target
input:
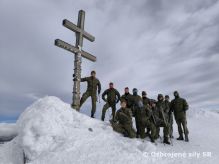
(154, 45)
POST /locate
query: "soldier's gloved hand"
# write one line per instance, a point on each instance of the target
(74, 79)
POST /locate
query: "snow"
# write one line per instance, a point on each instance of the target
(50, 132)
(11, 153)
(44, 125)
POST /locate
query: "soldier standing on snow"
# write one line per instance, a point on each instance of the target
(144, 116)
(147, 104)
(92, 85)
(112, 99)
(127, 97)
(179, 107)
(170, 115)
(163, 110)
(135, 99)
(146, 100)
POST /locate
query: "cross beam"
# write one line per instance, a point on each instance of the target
(74, 28)
(79, 53)
(74, 50)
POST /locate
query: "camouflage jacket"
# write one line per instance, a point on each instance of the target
(124, 116)
(143, 114)
(162, 105)
(168, 104)
(127, 98)
(146, 101)
(92, 84)
(113, 96)
(134, 103)
(179, 106)
(163, 110)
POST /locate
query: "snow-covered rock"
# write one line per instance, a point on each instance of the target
(50, 132)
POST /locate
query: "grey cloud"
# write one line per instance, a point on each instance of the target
(154, 45)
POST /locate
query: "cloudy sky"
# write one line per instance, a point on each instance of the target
(154, 45)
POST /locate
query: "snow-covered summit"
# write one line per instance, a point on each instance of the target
(50, 132)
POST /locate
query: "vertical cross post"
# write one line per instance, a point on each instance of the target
(79, 53)
(77, 64)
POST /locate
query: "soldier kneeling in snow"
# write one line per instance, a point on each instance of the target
(123, 121)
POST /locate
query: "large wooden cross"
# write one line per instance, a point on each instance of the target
(79, 53)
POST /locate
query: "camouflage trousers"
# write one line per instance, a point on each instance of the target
(126, 130)
(149, 125)
(182, 126)
(93, 99)
(171, 124)
(137, 125)
(107, 106)
(166, 129)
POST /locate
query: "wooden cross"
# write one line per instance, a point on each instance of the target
(79, 53)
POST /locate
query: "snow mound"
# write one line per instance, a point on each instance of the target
(43, 125)
(51, 132)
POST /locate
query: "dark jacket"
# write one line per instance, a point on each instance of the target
(124, 116)
(179, 106)
(128, 98)
(113, 96)
(92, 84)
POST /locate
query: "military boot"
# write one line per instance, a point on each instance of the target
(186, 138)
(152, 139)
(92, 116)
(125, 134)
(180, 138)
(102, 118)
(166, 141)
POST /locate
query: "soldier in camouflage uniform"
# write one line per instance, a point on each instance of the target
(162, 117)
(144, 116)
(170, 115)
(179, 107)
(147, 104)
(146, 100)
(123, 121)
(134, 101)
(92, 85)
(155, 113)
(112, 99)
(127, 97)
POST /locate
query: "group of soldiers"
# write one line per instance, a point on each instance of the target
(149, 115)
